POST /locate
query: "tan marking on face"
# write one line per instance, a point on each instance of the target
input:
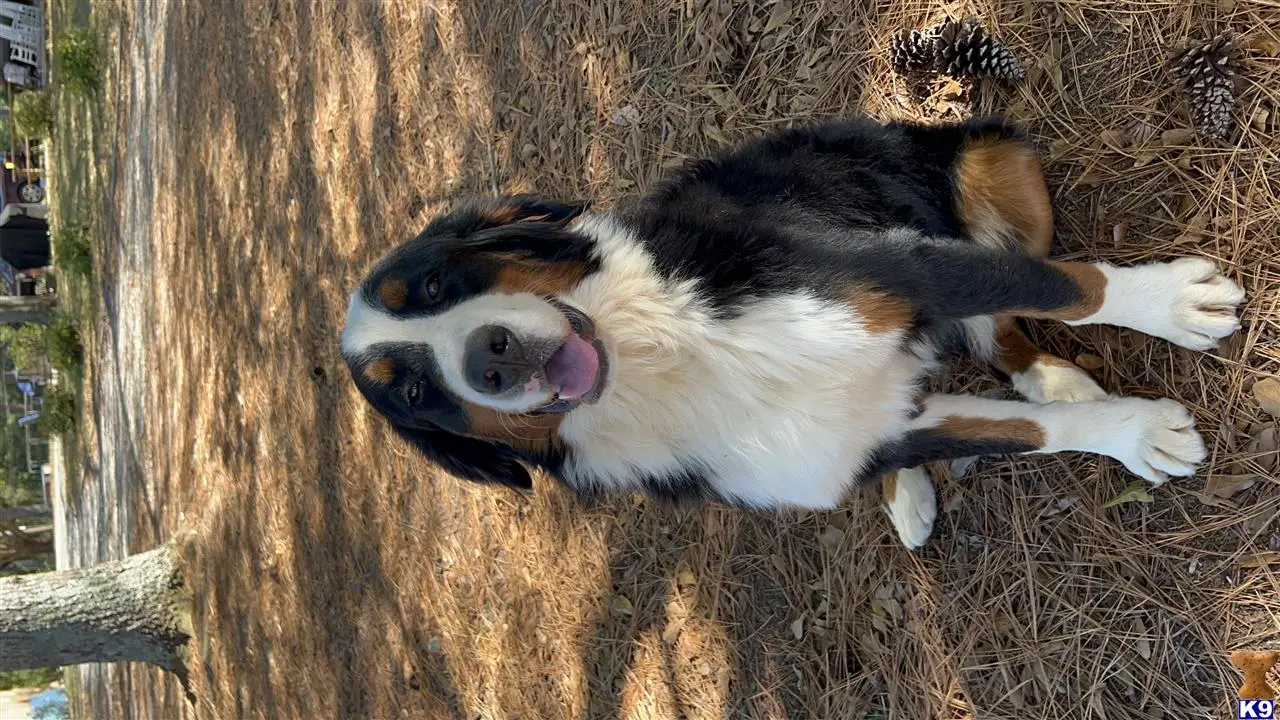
(1001, 194)
(393, 292)
(880, 311)
(381, 371)
(535, 433)
(889, 487)
(1015, 430)
(521, 275)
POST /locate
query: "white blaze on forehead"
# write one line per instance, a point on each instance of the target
(524, 314)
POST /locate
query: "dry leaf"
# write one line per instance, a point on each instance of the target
(780, 16)
(1264, 445)
(1090, 177)
(1061, 505)
(1259, 119)
(1117, 234)
(1117, 139)
(797, 628)
(626, 115)
(1144, 648)
(1136, 492)
(1267, 392)
(778, 563)
(620, 605)
(1195, 228)
(1177, 136)
(1263, 43)
(672, 631)
(1144, 158)
(1226, 486)
(952, 504)
(710, 130)
(1260, 559)
(1143, 642)
(831, 537)
(1089, 362)
(1055, 74)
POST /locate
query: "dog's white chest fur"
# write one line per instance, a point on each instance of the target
(779, 405)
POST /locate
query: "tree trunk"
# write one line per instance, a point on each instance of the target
(129, 610)
(24, 512)
(35, 309)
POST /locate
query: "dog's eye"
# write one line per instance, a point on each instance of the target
(432, 287)
(414, 394)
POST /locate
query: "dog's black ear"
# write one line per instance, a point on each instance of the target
(527, 208)
(469, 458)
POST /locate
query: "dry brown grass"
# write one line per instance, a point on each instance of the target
(338, 576)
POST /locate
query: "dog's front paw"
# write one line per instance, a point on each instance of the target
(1204, 308)
(1154, 439)
(912, 504)
(1187, 302)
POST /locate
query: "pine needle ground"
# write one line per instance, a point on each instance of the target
(338, 577)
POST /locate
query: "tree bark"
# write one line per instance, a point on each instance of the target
(24, 512)
(36, 309)
(129, 610)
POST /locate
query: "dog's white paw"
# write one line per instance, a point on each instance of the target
(1045, 383)
(912, 506)
(1187, 302)
(1154, 439)
(1204, 310)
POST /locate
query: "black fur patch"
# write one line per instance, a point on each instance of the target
(921, 446)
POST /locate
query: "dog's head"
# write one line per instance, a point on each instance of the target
(462, 337)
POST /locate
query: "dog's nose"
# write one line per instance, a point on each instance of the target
(495, 361)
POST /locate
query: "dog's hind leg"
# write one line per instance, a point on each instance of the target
(1039, 376)
(1154, 439)
(911, 502)
(1003, 201)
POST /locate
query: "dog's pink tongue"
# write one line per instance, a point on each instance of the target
(573, 368)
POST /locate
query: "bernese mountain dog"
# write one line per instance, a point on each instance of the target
(757, 328)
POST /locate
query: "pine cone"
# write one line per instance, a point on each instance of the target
(912, 51)
(1207, 73)
(963, 49)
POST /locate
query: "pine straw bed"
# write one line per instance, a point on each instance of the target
(338, 576)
